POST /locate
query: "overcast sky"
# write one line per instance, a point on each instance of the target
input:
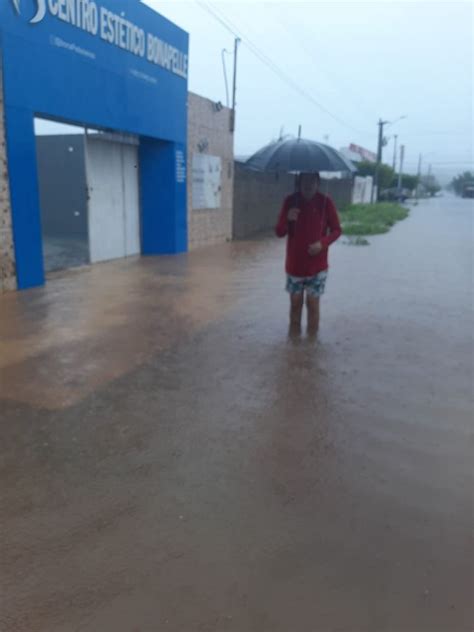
(337, 68)
(358, 60)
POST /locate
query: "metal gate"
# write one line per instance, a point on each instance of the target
(113, 196)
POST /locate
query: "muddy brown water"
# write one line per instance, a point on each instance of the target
(171, 461)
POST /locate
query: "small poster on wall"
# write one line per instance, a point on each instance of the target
(207, 181)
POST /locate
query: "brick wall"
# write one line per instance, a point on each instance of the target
(7, 256)
(210, 128)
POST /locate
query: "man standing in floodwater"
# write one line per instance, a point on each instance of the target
(310, 222)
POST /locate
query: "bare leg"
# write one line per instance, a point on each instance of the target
(312, 303)
(296, 311)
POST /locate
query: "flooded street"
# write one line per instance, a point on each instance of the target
(171, 461)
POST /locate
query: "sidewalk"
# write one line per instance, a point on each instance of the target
(171, 461)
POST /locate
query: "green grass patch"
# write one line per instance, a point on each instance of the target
(371, 219)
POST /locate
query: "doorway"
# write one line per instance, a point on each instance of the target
(89, 195)
(63, 194)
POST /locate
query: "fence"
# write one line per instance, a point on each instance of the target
(362, 190)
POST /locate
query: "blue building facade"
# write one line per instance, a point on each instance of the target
(113, 65)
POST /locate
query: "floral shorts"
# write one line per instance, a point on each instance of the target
(314, 286)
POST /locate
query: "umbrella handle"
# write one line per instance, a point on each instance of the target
(291, 225)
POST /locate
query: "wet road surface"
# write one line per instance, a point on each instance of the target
(171, 461)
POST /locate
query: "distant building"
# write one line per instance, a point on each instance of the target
(355, 153)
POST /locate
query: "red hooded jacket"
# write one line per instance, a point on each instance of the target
(317, 221)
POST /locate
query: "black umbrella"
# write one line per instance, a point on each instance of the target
(298, 155)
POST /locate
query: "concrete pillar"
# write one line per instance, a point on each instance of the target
(7, 253)
(163, 197)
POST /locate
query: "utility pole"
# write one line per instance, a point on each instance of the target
(395, 138)
(400, 173)
(234, 89)
(223, 54)
(379, 161)
(379, 154)
(418, 175)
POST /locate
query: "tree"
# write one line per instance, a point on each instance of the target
(386, 173)
(387, 177)
(458, 183)
(431, 185)
(365, 168)
(408, 182)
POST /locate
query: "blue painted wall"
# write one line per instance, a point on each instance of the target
(56, 69)
(161, 230)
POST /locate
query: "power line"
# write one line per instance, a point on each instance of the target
(310, 54)
(437, 133)
(274, 67)
(265, 59)
(209, 10)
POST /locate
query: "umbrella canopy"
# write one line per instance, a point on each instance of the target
(299, 155)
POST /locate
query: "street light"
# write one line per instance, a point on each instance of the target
(400, 118)
(394, 163)
(381, 125)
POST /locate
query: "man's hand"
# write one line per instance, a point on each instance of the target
(293, 214)
(315, 249)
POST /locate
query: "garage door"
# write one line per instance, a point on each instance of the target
(112, 182)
